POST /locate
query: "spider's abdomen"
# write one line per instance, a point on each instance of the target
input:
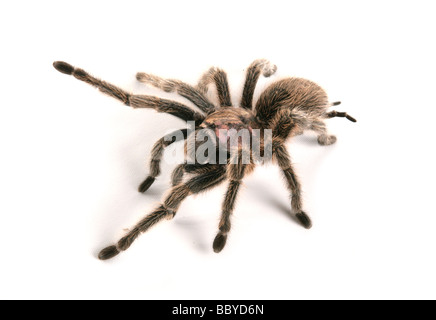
(292, 93)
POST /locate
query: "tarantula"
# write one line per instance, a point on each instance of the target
(287, 107)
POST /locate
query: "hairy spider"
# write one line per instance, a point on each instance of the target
(287, 107)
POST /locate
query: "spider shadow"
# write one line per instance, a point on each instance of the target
(193, 231)
(117, 214)
(264, 195)
(313, 156)
(308, 139)
(197, 218)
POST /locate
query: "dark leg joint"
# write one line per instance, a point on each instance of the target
(171, 213)
(127, 100)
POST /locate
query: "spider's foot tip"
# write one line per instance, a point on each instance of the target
(219, 242)
(351, 118)
(63, 67)
(108, 253)
(325, 140)
(270, 70)
(146, 184)
(304, 220)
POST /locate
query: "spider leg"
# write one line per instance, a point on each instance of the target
(166, 106)
(185, 90)
(282, 124)
(334, 113)
(253, 72)
(218, 76)
(135, 101)
(177, 174)
(235, 173)
(103, 86)
(320, 128)
(214, 175)
(156, 156)
(227, 210)
(179, 171)
(284, 161)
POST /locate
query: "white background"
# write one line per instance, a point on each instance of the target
(72, 158)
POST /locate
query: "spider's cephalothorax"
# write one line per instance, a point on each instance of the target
(229, 122)
(286, 108)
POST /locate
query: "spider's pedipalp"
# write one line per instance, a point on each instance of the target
(156, 156)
